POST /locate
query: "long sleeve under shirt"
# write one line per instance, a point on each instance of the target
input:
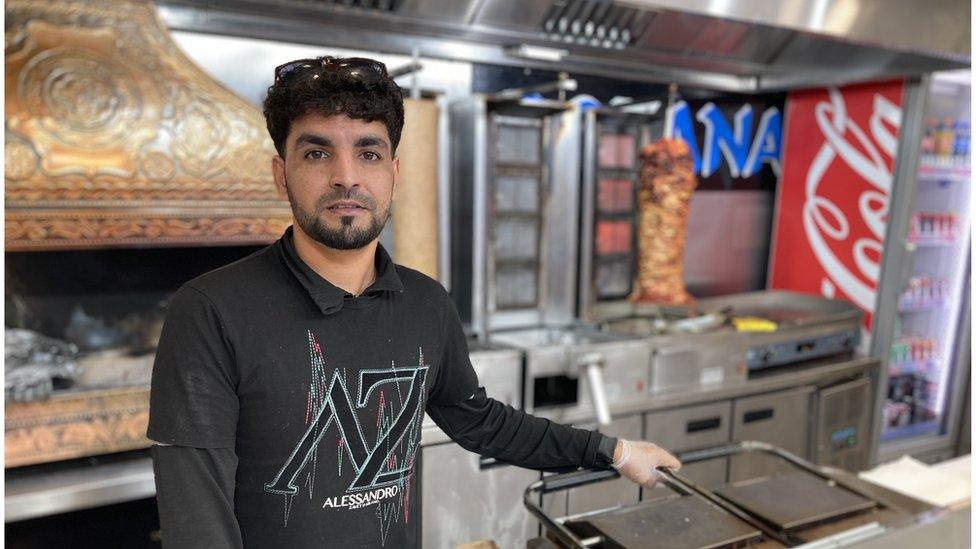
(289, 412)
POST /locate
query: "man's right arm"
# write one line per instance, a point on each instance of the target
(193, 413)
(195, 496)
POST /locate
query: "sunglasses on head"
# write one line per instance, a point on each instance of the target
(367, 71)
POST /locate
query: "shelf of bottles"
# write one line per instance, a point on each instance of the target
(924, 293)
(945, 147)
(933, 229)
(913, 374)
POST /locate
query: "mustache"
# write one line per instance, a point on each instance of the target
(344, 194)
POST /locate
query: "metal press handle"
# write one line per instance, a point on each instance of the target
(573, 479)
(593, 364)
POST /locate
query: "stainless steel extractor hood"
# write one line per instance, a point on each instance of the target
(745, 46)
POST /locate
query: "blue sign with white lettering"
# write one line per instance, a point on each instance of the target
(743, 150)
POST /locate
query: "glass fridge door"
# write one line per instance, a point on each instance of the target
(929, 307)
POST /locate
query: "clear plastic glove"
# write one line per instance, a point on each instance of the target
(639, 460)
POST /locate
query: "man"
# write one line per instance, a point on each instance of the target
(289, 387)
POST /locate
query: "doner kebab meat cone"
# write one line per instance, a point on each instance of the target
(667, 181)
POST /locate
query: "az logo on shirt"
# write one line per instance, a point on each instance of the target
(338, 408)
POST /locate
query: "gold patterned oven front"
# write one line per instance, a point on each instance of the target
(115, 138)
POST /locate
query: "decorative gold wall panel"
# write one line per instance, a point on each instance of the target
(115, 138)
(76, 425)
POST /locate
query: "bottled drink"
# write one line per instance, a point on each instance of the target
(966, 137)
(956, 137)
(945, 138)
(960, 145)
(928, 138)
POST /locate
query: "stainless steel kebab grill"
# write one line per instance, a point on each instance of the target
(516, 216)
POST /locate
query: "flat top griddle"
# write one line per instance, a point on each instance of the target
(794, 500)
(786, 309)
(671, 523)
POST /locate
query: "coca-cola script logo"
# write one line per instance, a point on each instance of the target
(835, 190)
(823, 219)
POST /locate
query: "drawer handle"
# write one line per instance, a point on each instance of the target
(757, 415)
(489, 463)
(703, 424)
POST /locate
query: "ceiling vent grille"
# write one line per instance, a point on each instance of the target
(596, 23)
(383, 6)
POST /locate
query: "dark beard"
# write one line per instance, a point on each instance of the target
(346, 237)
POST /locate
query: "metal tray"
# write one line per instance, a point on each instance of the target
(684, 522)
(774, 500)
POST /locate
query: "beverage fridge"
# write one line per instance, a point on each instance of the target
(873, 207)
(924, 297)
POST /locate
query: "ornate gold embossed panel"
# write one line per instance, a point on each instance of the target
(76, 425)
(115, 138)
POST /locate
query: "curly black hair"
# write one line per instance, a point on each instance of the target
(332, 93)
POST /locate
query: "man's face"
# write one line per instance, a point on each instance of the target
(339, 175)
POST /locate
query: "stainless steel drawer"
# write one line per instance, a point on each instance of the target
(689, 428)
(781, 419)
(466, 498)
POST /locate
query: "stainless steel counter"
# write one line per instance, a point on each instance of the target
(61, 488)
(823, 373)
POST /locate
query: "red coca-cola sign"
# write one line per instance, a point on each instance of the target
(834, 192)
